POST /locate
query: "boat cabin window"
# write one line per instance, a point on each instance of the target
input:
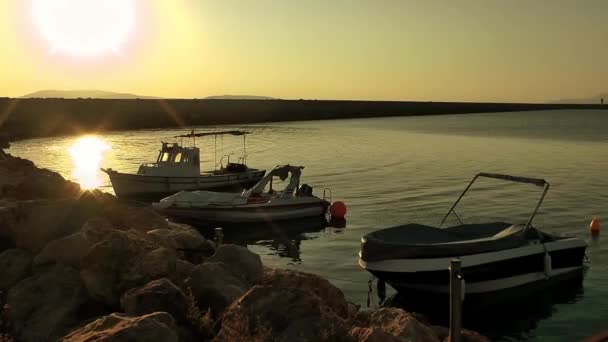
(180, 157)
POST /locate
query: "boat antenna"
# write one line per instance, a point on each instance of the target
(244, 148)
(215, 152)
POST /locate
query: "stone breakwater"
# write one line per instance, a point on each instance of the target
(82, 266)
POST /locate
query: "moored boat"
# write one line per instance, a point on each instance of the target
(497, 257)
(250, 206)
(177, 168)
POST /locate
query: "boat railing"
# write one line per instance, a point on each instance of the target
(325, 192)
(221, 162)
(535, 181)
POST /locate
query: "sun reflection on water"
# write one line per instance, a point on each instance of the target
(87, 153)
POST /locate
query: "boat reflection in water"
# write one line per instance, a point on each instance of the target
(283, 238)
(502, 319)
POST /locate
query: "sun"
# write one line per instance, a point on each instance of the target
(84, 27)
(87, 154)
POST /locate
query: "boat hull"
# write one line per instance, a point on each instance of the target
(133, 186)
(247, 214)
(486, 274)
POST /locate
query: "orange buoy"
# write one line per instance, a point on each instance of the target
(594, 226)
(337, 210)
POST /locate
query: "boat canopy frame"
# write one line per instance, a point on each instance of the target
(534, 181)
(215, 134)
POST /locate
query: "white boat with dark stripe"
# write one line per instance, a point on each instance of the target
(177, 168)
(251, 206)
(495, 256)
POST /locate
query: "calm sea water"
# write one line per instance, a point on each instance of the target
(391, 171)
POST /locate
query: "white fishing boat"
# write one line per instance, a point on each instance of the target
(177, 168)
(253, 205)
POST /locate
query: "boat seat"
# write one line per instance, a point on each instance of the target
(420, 241)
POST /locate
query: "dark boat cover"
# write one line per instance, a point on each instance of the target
(420, 241)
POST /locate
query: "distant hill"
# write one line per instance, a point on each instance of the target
(591, 100)
(84, 94)
(239, 97)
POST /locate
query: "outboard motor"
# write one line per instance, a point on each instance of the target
(305, 190)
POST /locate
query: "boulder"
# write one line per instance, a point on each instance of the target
(38, 223)
(280, 314)
(111, 260)
(178, 236)
(469, 336)
(158, 263)
(69, 250)
(183, 269)
(214, 286)
(158, 327)
(138, 218)
(97, 228)
(441, 331)
(241, 261)
(373, 335)
(15, 265)
(8, 217)
(124, 260)
(157, 295)
(322, 288)
(20, 179)
(402, 324)
(362, 317)
(43, 306)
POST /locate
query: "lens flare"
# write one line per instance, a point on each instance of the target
(87, 153)
(84, 28)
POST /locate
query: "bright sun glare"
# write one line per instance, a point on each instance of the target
(84, 27)
(87, 153)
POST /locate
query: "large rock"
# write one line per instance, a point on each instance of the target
(8, 218)
(38, 223)
(14, 266)
(45, 305)
(138, 218)
(178, 236)
(373, 335)
(469, 336)
(158, 263)
(96, 229)
(402, 324)
(331, 295)
(20, 179)
(281, 314)
(124, 260)
(214, 285)
(242, 261)
(158, 327)
(157, 295)
(108, 261)
(69, 250)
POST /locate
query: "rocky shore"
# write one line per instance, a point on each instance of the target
(82, 266)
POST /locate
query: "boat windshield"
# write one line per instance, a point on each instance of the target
(281, 172)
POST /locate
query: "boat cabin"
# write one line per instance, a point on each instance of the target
(174, 160)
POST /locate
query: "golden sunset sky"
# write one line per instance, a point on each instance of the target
(461, 50)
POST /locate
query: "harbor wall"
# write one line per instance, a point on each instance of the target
(26, 118)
